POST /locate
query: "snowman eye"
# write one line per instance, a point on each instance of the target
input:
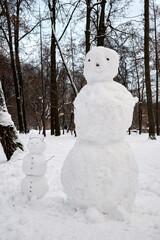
(89, 60)
(107, 59)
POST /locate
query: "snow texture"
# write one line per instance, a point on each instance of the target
(53, 218)
(5, 119)
(103, 108)
(103, 179)
(100, 171)
(35, 167)
(101, 65)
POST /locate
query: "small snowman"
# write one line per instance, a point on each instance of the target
(34, 167)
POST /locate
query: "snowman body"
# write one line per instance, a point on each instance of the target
(34, 167)
(34, 186)
(100, 170)
(34, 164)
(103, 119)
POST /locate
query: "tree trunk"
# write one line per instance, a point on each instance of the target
(140, 117)
(101, 28)
(55, 126)
(72, 125)
(63, 120)
(43, 117)
(8, 140)
(8, 135)
(88, 19)
(18, 67)
(147, 72)
(157, 71)
(139, 92)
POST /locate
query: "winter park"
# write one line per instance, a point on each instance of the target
(79, 120)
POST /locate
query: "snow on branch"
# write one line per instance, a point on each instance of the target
(64, 62)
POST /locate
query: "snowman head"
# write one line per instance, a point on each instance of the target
(36, 143)
(101, 64)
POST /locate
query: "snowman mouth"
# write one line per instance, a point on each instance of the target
(98, 70)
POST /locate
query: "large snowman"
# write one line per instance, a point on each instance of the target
(34, 167)
(100, 171)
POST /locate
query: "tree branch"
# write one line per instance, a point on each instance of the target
(95, 4)
(69, 21)
(65, 65)
(29, 31)
(1, 13)
(5, 36)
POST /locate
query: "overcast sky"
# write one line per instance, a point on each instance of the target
(136, 8)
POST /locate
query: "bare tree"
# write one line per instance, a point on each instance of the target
(55, 125)
(42, 80)
(12, 22)
(7, 32)
(157, 68)
(147, 72)
(137, 72)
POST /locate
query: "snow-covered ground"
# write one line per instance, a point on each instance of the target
(53, 218)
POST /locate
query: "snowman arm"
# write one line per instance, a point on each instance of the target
(50, 158)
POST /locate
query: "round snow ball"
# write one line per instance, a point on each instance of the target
(36, 144)
(101, 64)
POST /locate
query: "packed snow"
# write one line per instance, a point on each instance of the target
(100, 171)
(53, 218)
(5, 119)
(103, 177)
(99, 174)
(103, 108)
